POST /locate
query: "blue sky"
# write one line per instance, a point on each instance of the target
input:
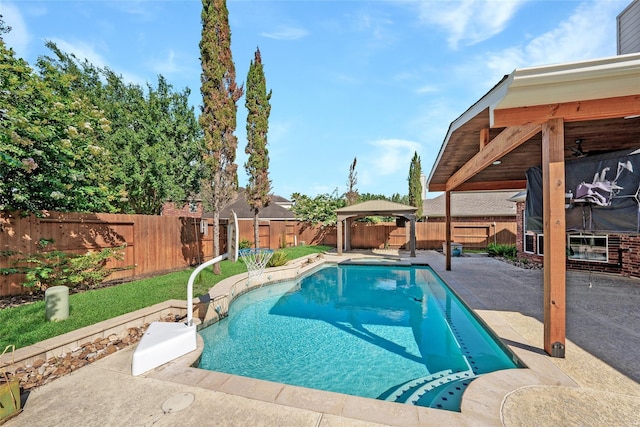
(375, 80)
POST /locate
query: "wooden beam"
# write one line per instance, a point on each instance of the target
(596, 109)
(554, 230)
(508, 140)
(484, 137)
(515, 185)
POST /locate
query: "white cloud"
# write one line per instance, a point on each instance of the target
(82, 51)
(469, 21)
(173, 63)
(387, 157)
(427, 89)
(286, 33)
(588, 33)
(18, 38)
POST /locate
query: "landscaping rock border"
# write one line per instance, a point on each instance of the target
(44, 371)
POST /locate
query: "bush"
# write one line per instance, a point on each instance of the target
(277, 259)
(43, 270)
(506, 251)
(245, 244)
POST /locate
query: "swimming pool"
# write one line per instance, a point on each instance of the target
(393, 333)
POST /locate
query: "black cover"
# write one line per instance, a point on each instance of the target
(602, 194)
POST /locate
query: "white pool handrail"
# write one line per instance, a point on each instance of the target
(192, 278)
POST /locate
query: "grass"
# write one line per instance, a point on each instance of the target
(26, 325)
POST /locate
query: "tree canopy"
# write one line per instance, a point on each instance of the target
(74, 137)
(317, 210)
(50, 142)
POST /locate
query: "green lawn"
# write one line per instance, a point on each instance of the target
(26, 325)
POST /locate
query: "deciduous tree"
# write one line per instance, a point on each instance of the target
(48, 142)
(153, 138)
(318, 210)
(352, 192)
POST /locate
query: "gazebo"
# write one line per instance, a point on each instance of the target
(348, 214)
(541, 116)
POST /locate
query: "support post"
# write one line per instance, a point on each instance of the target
(412, 235)
(554, 229)
(347, 234)
(447, 220)
(339, 235)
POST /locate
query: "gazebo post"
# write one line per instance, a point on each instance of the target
(339, 235)
(412, 235)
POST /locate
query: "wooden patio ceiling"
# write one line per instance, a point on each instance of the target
(598, 135)
(598, 101)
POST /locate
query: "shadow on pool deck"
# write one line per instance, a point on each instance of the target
(579, 390)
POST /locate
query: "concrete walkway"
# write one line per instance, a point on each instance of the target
(603, 310)
(579, 390)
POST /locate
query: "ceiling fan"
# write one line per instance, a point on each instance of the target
(579, 151)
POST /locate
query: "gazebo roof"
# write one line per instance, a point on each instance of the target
(376, 207)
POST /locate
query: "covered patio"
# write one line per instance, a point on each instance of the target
(348, 214)
(535, 117)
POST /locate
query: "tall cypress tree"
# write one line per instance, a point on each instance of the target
(415, 186)
(257, 165)
(218, 119)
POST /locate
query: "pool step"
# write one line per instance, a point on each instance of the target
(402, 392)
(423, 392)
(450, 397)
(441, 390)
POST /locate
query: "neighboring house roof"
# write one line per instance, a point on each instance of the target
(243, 210)
(472, 204)
(377, 207)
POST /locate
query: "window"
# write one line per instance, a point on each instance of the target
(529, 239)
(193, 207)
(540, 244)
(588, 248)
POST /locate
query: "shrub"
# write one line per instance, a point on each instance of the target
(277, 259)
(245, 244)
(506, 251)
(54, 268)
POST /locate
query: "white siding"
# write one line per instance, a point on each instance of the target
(629, 29)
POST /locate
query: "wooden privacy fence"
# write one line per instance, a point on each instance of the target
(154, 244)
(160, 244)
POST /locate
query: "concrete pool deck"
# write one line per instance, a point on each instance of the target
(581, 389)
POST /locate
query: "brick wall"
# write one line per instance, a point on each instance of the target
(188, 209)
(624, 252)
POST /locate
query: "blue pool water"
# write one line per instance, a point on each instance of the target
(393, 333)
